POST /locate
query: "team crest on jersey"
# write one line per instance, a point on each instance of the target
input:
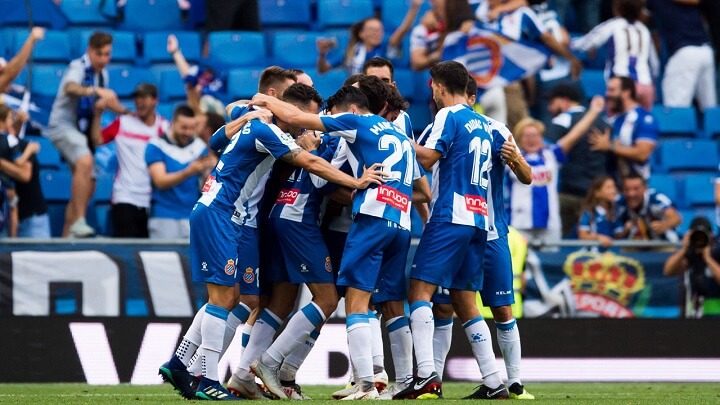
(249, 275)
(328, 265)
(230, 267)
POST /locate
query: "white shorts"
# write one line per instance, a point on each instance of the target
(71, 143)
(168, 228)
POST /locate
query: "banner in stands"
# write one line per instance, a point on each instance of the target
(91, 279)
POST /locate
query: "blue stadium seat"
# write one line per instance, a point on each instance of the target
(236, 49)
(593, 83)
(711, 124)
(343, 13)
(688, 155)
(676, 121)
(172, 86)
(699, 190)
(152, 15)
(103, 189)
(405, 83)
(155, 46)
(328, 83)
(243, 83)
(666, 184)
(46, 79)
(48, 157)
(55, 185)
(423, 92)
(403, 60)
(284, 13)
(124, 79)
(166, 109)
(687, 216)
(54, 48)
(393, 13)
(295, 49)
(88, 12)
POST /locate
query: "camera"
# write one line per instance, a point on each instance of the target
(700, 231)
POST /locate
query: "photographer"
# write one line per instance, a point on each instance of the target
(698, 260)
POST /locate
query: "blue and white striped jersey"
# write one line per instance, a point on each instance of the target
(301, 197)
(628, 128)
(234, 186)
(460, 178)
(403, 122)
(372, 139)
(497, 216)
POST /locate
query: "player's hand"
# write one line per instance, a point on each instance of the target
(37, 33)
(172, 44)
(599, 141)
(309, 140)
(597, 104)
(260, 100)
(605, 241)
(658, 227)
(576, 67)
(373, 175)
(33, 147)
(262, 114)
(509, 151)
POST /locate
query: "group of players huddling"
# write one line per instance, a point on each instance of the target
(256, 235)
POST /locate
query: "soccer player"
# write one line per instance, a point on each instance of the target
(377, 245)
(215, 235)
(383, 69)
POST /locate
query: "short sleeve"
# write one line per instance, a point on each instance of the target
(344, 125)
(418, 171)
(584, 223)
(274, 140)
(663, 202)
(238, 111)
(219, 141)
(153, 154)
(647, 129)
(75, 73)
(110, 132)
(442, 133)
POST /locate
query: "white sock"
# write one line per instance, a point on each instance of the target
(478, 335)
(297, 357)
(378, 354)
(238, 315)
(246, 329)
(192, 339)
(508, 336)
(359, 342)
(401, 347)
(261, 337)
(442, 339)
(296, 332)
(213, 328)
(422, 325)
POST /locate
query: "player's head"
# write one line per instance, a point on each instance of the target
(529, 134)
(184, 125)
(208, 123)
(303, 77)
(449, 79)
(562, 97)
(303, 97)
(633, 189)
(350, 81)
(348, 99)
(394, 103)
(99, 50)
(274, 80)
(7, 118)
(369, 31)
(630, 10)
(602, 191)
(620, 94)
(381, 68)
(145, 98)
(375, 91)
(471, 91)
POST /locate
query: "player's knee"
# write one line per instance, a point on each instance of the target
(443, 311)
(502, 314)
(393, 309)
(327, 302)
(251, 301)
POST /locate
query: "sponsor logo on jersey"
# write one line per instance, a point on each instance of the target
(209, 184)
(229, 267)
(328, 265)
(287, 196)
(249, 275)
(476, 204)
(393, 198)
(541, 177)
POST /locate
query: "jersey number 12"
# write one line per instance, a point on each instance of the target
(480, 148)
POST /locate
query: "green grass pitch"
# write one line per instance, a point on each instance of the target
(583, 393)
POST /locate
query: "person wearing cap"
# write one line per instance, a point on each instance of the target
(582, 165)
(131, 132)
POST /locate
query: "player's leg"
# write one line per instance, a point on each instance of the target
(442, 333)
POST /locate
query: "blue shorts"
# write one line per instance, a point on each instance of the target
(497, 288)
(303, 257)
(376, 253)
(335, 242)
(213, 247)
(248, 253)
(441, 296)
(451, 256)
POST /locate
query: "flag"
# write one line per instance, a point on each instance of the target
(492, 58)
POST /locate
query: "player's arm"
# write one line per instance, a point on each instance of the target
(342, 195)
(421, 190)
(423, 211)
(319, 167)
(288, 112)
(230, 107)
(426, 157)
(515, 161)
(568, 141)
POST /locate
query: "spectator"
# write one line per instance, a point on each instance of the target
(582, 165)
(690, 69)
(646, 214)
(85, 82)
(534, 209)
(383, 69)
(630, 48)
(425, 38)
(12, 69)
(598, 220)
(132, 189)
(366, 41)
(587, 12)
(175, 162)
(634, 134)
(208, 123)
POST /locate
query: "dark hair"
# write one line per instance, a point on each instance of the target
(99, 39)
(564, 90)
(183, 111)
(591, 202)
(630, 10)
(633, 175)
(452, 75)
(214, 121)
(4, 112)
(456, 12)
(395, 100)
(377, 61)
(471, 89)
(375, 91)
(627, 84)
(272, 76)
(352, 79)
(296, 71)
(301, 94)
(346, 96)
